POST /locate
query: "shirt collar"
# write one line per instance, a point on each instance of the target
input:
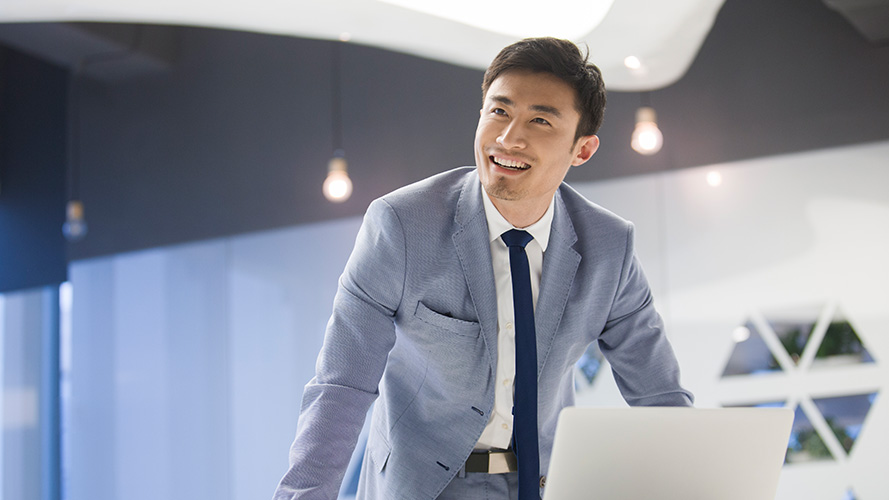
(498, 225)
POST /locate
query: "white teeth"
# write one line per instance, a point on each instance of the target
(503, 162)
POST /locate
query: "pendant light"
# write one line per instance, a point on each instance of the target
(647, 138)
(337, 187)
(75, 226)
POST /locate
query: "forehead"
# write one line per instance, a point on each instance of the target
(530, 89)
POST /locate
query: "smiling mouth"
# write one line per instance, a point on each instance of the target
(509, 164)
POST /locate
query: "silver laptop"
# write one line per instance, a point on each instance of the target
(668, 453)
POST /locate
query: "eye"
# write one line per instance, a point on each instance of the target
(540, 121)
(499, 111)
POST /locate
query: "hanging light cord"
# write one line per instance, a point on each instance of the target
(336, 100)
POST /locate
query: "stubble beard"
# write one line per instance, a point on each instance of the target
(500, 189)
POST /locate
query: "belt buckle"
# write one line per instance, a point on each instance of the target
(497, 463)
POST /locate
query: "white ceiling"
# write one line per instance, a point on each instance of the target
(665, 35)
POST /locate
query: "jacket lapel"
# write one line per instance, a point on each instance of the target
(474, 251)
(560, 264)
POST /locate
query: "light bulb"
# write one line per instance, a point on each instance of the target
(74, 228)
(337, 186)
(740, 334)
(647, 137)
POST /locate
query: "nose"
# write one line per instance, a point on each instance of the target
(512, 136)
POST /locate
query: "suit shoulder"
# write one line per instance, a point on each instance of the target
(586, 212)
(440, 189)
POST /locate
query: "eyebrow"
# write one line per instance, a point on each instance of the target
(540, 108)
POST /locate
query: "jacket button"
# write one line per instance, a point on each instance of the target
(542, 481)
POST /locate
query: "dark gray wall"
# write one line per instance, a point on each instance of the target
(233, 133)
(32, 176)
(772, 77)
(236, 137)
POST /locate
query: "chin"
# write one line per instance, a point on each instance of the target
(501, 191)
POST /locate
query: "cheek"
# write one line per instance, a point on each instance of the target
(479, 145)
(485, 130)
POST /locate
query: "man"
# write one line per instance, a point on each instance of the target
(426, 316)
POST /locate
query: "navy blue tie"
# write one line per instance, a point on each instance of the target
(525, 405)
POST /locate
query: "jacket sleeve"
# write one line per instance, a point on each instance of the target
(359, 336)
(635, 344)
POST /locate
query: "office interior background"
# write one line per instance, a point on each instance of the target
(164, 354)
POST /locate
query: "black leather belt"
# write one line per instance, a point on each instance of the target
(492, 462)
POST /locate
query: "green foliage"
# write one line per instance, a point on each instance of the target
(839, 339)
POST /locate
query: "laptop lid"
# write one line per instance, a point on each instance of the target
(658, 453)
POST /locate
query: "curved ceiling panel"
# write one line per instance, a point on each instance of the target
(663, 36)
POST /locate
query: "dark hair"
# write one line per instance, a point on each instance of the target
(562, 59)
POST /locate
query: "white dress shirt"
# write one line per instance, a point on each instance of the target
(498, 432)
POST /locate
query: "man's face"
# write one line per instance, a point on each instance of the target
(524, 143)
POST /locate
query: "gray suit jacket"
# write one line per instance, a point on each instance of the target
(415, 323)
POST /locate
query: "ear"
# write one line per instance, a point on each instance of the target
(585, 148)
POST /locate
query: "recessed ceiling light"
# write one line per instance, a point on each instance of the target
(521, 18)
(632, 62)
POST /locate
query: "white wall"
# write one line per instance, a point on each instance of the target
(803, 232)
(188, 362)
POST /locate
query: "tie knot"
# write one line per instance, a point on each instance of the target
(516, 238)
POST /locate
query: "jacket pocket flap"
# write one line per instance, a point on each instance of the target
(458, 326)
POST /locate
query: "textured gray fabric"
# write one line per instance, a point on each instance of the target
(415, 322)
(479, 486)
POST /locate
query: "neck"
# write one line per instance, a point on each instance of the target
(521, 213)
